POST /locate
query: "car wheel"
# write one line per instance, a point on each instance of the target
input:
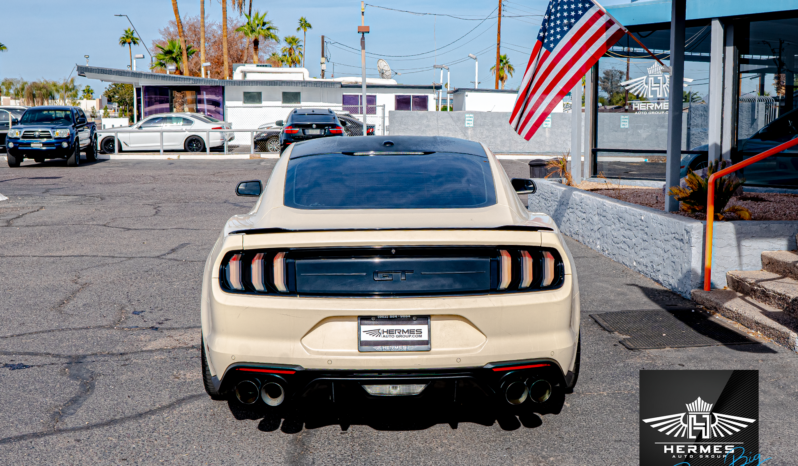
(273, 144)
(91, 151)
(74, 159)
(107, 146)
(207, 378)
(13, 161)
(194, 144)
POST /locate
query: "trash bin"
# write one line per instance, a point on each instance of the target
(537, 168)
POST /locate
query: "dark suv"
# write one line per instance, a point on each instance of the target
(309, 123)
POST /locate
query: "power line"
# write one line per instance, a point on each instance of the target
(417, 13)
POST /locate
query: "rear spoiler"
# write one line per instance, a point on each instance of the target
(267, 231)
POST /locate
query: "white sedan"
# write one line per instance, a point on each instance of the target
(181, 131)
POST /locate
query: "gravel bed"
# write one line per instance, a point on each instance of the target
(763, 206)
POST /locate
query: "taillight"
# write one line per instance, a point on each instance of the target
(233, 272)
(548, 269)
(279, 272)
(336, 130)
(527, 270)
(219, 127)
(257, 272)
(290, 130)
(370, 131)
(506, 272)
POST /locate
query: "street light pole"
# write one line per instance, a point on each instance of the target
(363, 30)
(142, 39)
(476, 69)
(440, 92)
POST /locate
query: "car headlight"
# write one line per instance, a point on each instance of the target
(62, 133)
(14, 133)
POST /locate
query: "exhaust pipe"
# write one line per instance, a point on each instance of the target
(540, 391)
(516, 393)
(272, 394)
(247, 392)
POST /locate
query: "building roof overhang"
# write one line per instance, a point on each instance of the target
(659, 11)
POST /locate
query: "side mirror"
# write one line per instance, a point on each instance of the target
(524, 186)
(251, 188)
(279, 122)
(81, 121)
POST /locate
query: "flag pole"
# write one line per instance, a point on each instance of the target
(631, 35)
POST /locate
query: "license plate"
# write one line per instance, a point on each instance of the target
(393, 333)
(312, 131)
(36, 144)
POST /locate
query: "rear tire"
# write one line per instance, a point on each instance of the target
(207, 378)
(74, 159)
(91, 151)
(13, 161)
(273, 144)
(107, 146)
(194, 144)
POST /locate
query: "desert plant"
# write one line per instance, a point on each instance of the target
(105, 112)
(560, 166)
(693, 198)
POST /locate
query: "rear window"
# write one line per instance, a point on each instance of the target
(440, 180)
(312, 118)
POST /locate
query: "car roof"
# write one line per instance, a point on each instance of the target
(312, 111)
(381, 144)
(52, 107)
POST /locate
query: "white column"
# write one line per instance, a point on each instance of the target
(589, 122)
(729, 92)
(675, 98)
(715, 90)
(576, 133)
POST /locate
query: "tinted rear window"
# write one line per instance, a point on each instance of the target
(321, 118)
(434, 181)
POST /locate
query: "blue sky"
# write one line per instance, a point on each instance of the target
(46, 38)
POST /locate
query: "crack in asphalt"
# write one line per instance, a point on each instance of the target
(92, 256)
(10, 221)
(81, 286)
(102, 353)
(113, 422)
(86, 383)
(99, 327)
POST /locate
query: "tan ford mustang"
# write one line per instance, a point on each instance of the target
(390, 266)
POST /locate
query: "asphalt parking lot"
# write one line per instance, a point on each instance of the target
(100, 360)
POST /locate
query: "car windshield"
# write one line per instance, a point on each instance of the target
(203, 118)
(16, 112)
(439, 180)
(312, 118)
(47, 116)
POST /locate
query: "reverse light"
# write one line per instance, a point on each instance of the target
(290, 130)
(336, 130)
(279, 272)
(527, 270)
(548, 268)
(233, 273)
(506, 272)
(257, 272)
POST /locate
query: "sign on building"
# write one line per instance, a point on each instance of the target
(655, 86)
(547, 123)
(469, 121)
(624, 121)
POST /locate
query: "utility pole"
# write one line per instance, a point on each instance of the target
(363, 30)
(323, 60)
(498, 45)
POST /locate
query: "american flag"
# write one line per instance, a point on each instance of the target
(574, 35)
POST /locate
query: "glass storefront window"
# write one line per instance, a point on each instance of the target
(633, 94)
(208, 100)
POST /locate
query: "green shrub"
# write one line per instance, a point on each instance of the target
(693, 198)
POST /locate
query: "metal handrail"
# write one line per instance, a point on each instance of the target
(197, 132)
(711, 201)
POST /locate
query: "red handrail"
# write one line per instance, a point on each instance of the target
(711, 201)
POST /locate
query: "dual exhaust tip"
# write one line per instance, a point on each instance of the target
(248, 392)
(517, 392)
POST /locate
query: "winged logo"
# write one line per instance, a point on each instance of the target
(699, 418)
(376, 333)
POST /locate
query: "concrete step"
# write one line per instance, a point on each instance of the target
(773, 323)
(766, 287)
(784, 263)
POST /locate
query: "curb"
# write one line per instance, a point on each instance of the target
(183, 156)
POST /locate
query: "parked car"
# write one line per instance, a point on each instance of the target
(146, 135)
(353, 126)
(401, 267)
(304, 124)
(9, 116)
(778, 170)
(268, 140)
(52, 132)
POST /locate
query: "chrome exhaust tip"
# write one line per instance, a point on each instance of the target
(540, 391)
(516, 393)
(247, 392)
(272, 394)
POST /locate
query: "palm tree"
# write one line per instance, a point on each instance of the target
(182, 37)
(224, 40)
(172, 54)
(505, 68)
(128, 40)
(3, 48)
(304, 25)
(202, 34)
(293, 50)
(255, 28)
(275, 59)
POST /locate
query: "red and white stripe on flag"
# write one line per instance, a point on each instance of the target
(574, 35)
